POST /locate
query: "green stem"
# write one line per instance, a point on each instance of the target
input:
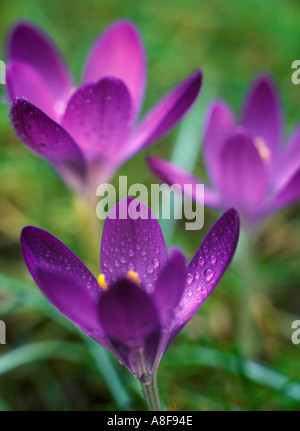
(150, 390)
(247, 330)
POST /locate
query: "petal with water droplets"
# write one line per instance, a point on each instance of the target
(64, 279)
(132, 244)
(207, 266)
(49, 140)
(99, 117)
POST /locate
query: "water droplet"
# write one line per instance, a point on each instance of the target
(131, 253)
(189, 293)
(123, 259)
(189, 278)
(146, 378)
(214, 237)
(150, 269)
(131, 267)
(209, 273)
(197, 275)
(156, 250)
(213, 259)
(149, 288)
(155, 263)
(116, 263)
(201, 261)
(144, 252)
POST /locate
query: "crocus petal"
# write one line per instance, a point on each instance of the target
(28, 44)
(243, 173)
(171, 174)
(207, 267)
(129, 244)
(288, 194)
(64, 279)
(169, 286)
(24, 81)
(130, 320)
(167, 113)
(262, 113)
(287, 161)
(98, 117)
(219, 125)
(47, 139)
(119, 52)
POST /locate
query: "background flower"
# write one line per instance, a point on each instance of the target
(86, 134)
(246, 163)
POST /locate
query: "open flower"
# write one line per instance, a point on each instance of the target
(142, 298)
(87, 133)
(246, 165)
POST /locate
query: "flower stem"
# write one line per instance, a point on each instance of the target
(247, 330)
(150, 390)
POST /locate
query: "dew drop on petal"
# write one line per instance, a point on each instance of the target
(150, 269)
(213, 259)
(201, 261)
(209, 273)
(131, 267)
(189, 278)
(155, 263)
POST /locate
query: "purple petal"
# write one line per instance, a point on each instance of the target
(132, 245)
(207, 266)
(29, 45)
(171, 174)
(167, 113)
(24, 81)
(98, 117)
(119, 52)
(243, 173)
(64, 279)
(48, 139)
(288, 194)
(219, 125)
(287, 161)
(130, 320)
(169, 286)
(262, 112)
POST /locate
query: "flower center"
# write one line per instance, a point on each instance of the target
(263, 150)
(131, 275)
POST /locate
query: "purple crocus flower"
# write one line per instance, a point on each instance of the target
(87, 133)
(142, 298)
(247, 166)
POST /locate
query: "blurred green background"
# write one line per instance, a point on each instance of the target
(47, 364)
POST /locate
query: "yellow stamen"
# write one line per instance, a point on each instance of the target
(262, 148)
(102, 282)
(134, 277)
